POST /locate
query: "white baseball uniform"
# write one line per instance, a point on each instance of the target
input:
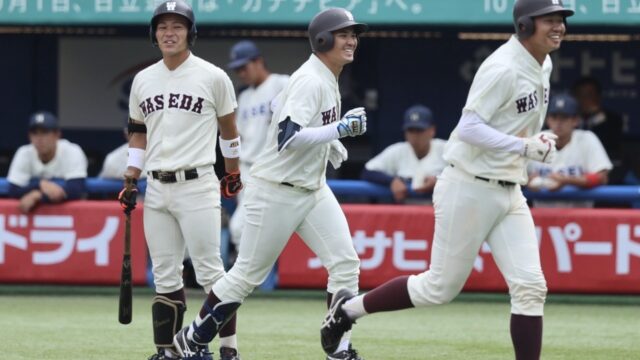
(180, 109)
(252, 120)
(115, 163)
(288, 193)
(69, 162)
(472, 199)
(400, 159)
(583, 154)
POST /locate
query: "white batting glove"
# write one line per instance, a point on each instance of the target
(353, 123)
(337, 154)
(541, 147)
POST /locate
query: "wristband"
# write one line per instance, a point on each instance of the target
(135, 158)
(230, 148)
(593, 179)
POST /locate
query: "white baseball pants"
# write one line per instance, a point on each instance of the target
(469, 211)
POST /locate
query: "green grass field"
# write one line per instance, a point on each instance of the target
(81, 323)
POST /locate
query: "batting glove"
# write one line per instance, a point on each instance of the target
(230, 185)
(541, 147)
(337, 154)
(353, 123)
(128, 195)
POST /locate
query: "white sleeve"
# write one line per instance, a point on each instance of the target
(387, 161)
(76, 163)
(19, 170)
(598, 159)
(473, 130)
(313, 136)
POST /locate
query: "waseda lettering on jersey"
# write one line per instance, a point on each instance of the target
(178, 101)
(527, 103)
(329, 116)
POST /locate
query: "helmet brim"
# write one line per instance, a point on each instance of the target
(358, 28)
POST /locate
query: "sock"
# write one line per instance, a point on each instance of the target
(344, 342)
(390, 296)
(229, 329)
(526, 335)
(354, 307)
(177, 295)
(229, 341)
(329, 299)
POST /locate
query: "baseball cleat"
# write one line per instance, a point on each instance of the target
(227, 353)
(336, 323)
(350, 354)
(188, 349)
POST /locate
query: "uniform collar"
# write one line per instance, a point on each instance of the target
(323, 70)
(524, 54)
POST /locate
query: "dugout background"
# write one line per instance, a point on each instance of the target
(82, 74)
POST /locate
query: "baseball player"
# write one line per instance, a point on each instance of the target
(478, 197)
(176, 108)
(288, 191)
(581, 161)
(49, 169)
(416, 161)
(254, 113)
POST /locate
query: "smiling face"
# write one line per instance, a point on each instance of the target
(344, 46)
(549, 33)
(171, 33)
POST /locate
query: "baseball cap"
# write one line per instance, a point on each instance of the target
(241, 53)
(43, 120)
(418, 117)
(563, 104)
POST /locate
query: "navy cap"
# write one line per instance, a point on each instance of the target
(43, 120)
(563, 104)
(418, 117)
(241, 53)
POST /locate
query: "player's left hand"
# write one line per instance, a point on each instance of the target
(337, 154)
(353, 123)
(230, 184)
(53, 191)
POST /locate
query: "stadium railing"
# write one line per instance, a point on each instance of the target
(358, 188)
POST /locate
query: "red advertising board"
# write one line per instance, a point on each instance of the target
(79, 242)
(582, 250)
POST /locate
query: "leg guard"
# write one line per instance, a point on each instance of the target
(167, 318)
(214, 320)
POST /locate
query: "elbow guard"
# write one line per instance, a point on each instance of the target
(136, 127)
(286, 131)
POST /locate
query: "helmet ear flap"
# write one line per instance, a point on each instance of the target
(324, 41)
(526, 27)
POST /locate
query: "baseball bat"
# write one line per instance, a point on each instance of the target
(125, 306)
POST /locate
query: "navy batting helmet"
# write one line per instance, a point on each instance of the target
(329, 20)
(524, 11)
(178, 7)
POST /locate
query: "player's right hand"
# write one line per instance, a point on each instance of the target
(128, 195)
(541, 147)
(230, 184)
(353, 123)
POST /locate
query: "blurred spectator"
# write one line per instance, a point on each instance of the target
(581, 159)
(606, 124)
(50, 169)
(253, 113)
(416, 161)
(115, 163)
